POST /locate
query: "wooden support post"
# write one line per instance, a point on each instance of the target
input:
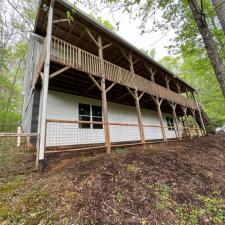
(168, 82)
(200, 113)
(152, 72)
(137, 102)
(186, 119)
(158, 104)
(104, 97)
(173, 106)
(45, 88)
(137, 99)
(195, 122)
(178, 88)
(187, 93)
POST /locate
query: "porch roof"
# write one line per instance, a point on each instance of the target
(75, 34)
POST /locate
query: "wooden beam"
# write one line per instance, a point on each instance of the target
(60, 21)
(158, 104)
(178, 87)
(110, 87)
(200, 113)
(92, 37)
(120, 97)
(80, 37)
(106, 46)
(104, 97)
(90, 88)
(140, 96)
(58, 72)
(151, 71)
(125, 55)
(195, 122)
(131, 92)
(186, 119)
(173, 106)
(138, 111)
(140, 123)
(42, 76)
(95, 82)
(168, 82)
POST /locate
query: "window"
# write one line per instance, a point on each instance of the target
(90, 113)
(84, 115)
(170, 123)
(97, 116)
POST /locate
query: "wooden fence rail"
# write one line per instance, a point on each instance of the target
(72, 56)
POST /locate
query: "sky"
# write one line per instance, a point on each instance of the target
(128, 29)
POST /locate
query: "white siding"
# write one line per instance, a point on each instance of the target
(34, 48)
(65, 106)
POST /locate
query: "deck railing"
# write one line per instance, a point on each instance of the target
(72, 56)
(75, 134)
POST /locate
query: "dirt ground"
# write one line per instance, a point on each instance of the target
(175, 183)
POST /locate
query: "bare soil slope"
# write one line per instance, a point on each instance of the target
(174, 183)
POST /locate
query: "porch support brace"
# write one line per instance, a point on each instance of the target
(92, 38)
(58, 72)
(104, 97)
(106, 46)
(158, 104)
(110, 87)
(151, 71)
(45, 88)
(195, 121)
(173, 106)
(200, 113)
(120, 97)
(95, 82)
(137, 99)
(184, 108)
(91, 88)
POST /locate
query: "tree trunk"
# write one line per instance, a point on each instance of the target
(219, 6)
(216, 61)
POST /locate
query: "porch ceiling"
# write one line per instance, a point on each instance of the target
(75, 34)
(78, 83)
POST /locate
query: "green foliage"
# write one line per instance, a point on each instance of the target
(105, 23)
(199, 73)
(14, 28)
(162, 193)
(119, 197)
(215, 208)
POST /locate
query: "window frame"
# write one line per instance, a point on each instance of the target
(92, 118)
(170, 123)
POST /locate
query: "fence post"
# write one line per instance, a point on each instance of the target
(18, 137)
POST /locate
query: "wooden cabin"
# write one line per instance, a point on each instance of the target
(86, 87)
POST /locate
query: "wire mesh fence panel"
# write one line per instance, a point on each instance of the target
(120, 132)
(16, 152)
(73, 133)
(152, 132)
